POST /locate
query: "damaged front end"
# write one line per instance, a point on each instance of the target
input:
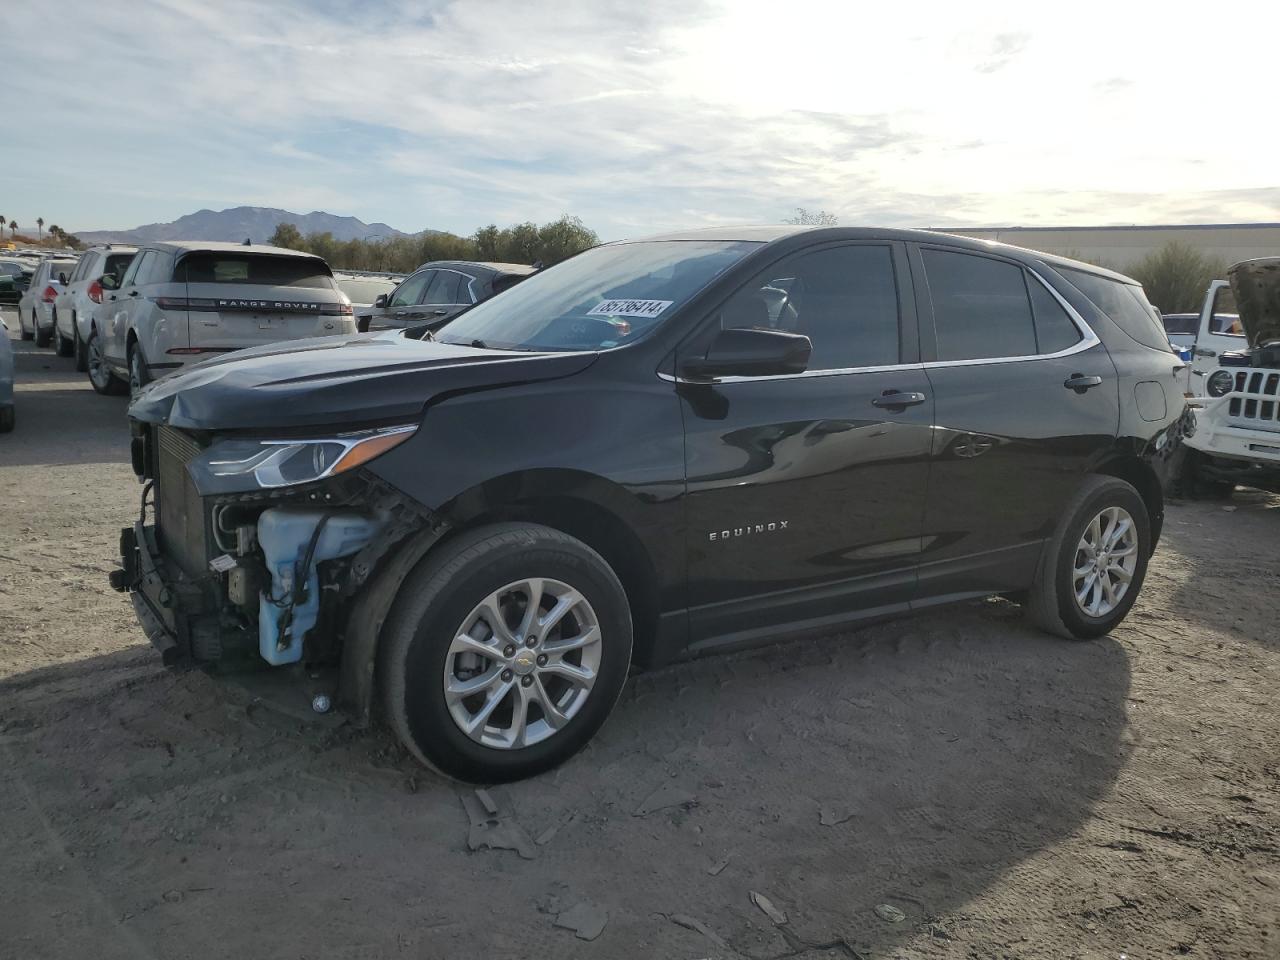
(258, 551)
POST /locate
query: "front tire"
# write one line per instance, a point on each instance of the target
(139, 372)
(1092, 568)
(101, 377)
(483, 683)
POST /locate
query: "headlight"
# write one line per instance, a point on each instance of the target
(1220, 384)
(235, 465)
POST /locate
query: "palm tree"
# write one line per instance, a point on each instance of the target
(13, 228)
(39, 226)
(1, 226)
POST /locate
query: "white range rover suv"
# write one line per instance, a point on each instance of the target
(184, 301)
(1235, 437)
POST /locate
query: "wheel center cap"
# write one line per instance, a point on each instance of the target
(524, 662)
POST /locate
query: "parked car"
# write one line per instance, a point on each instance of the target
(654, 450)
(362, 289)
(15, 277)
(1236, 425)
(81, 298)
(181, 301)
(7, 411)
(436, 292)
(36, 305)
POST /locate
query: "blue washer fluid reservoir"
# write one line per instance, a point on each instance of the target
(284, 533)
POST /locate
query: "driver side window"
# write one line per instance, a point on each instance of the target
(134, 264)
(410, 292)
(844, 299)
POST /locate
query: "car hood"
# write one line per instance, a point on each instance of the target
(1256, 284)
(338, 382)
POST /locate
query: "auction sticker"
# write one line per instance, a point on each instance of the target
(629, 308)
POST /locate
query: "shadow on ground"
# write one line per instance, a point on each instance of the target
(911, 764)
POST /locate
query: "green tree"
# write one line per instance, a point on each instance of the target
(561, 239)
(487, 239)
(286, 235)
(1176, 275)
(813, 218)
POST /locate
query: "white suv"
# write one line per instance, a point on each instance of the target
(81, 297)
(1235, 437)
(184, 301)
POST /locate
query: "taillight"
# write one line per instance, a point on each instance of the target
(49, 295)
(95, 292)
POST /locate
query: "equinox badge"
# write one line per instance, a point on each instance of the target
(748, 530)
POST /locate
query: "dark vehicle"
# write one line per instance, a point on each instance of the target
(438, 291)
(654, 450)
(15, 277)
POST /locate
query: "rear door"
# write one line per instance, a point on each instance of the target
(119, 306)
(447, 295)
(239, 299)
(1026, 401)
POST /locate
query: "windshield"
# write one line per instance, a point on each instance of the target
(603, 298)
(364, 290)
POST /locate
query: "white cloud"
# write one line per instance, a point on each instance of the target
(641, 117)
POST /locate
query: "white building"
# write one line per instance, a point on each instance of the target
(1120, 247)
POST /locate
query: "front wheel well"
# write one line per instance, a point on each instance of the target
(606, 534)
(1142, 478)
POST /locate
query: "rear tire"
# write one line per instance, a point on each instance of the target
(22, 328)
(43, 338)
(1055, 602)
(82, 360)
(1191, 483)
(101, 377)
(139, 372)
(63, 345)
(443, 602)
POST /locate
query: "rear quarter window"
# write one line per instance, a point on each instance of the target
(259, 270)
(1124, 303)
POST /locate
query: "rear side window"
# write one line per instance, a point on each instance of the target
(444, 288)
(1054, 328)
(83, 267)
(1124, 303)
(981, 310)
(256, 270)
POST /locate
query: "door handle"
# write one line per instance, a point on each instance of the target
(1080, 383)
(1205, 353)
(897, 400)
(441, 312)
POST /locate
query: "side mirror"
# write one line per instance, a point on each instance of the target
(108, 281)
(62, 278)
(381, 301)
(750, 352)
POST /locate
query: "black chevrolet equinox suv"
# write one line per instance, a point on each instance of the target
(654, 450)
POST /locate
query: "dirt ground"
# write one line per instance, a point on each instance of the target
(1009, 794)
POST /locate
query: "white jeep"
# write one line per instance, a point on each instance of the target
(1234, 433)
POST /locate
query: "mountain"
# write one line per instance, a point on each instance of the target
(237, 223)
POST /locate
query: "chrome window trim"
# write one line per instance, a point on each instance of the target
(1088, 340)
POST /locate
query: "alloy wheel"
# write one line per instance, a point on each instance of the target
(1105, 561)
(522, 663)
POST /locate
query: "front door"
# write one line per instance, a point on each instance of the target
(806, 491)
(1220, 332)
(1026, 399)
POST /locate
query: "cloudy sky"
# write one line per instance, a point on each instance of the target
(640, 116)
